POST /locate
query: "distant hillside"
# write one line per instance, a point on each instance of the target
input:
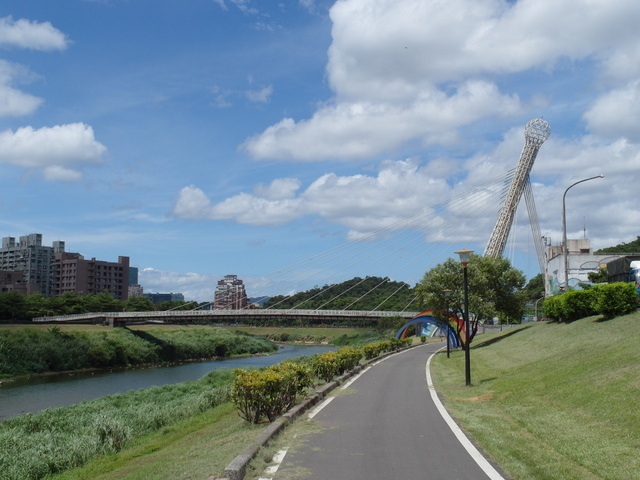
(631, 247)
(356, 294)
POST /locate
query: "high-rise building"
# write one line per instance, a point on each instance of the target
(35, 260)
(135, 289)
(75, 274)
(230, 294)
(164, 297)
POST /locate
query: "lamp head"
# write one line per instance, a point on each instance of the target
(464, 255)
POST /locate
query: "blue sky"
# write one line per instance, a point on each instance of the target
(212, 137)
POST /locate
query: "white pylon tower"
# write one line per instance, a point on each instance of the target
(535, 134)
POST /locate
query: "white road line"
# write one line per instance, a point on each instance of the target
(277, 459)
(346, 385)
(316, 410)
(482, 462)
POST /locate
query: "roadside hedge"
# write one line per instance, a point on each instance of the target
(270, 392)
(609, 300)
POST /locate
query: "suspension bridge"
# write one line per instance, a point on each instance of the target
(406, 248)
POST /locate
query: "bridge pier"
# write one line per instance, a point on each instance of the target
(116, 322)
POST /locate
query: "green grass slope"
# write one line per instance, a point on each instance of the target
(552, 401)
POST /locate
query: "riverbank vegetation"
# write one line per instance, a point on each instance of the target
(34, 446)
(26, 350)
(552, 400)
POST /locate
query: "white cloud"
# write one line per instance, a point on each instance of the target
(617, 113)
(13, 102)
(279, 189)
(31, 34)
(364, 129)
(193, 286)
(361, 203)
(191, 204)
(61, 174)
(260, 96)
(46, 147)
(406, 70)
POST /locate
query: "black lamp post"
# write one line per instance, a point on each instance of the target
(464, 261)
(447, 294)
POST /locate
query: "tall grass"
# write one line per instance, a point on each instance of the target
(552, 401)
(33, 446)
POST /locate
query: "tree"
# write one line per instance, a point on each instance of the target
(139, 304)
(534, 289)
(601, 276)
(495, 290)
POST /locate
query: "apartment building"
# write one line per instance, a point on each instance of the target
(33, 259)
(230, 294)
(75, 274)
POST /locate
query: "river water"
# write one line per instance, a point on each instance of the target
(35, 394)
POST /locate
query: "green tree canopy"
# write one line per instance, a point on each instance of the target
(495, 289)
(534, 288)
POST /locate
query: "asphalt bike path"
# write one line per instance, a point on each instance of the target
(386, 424)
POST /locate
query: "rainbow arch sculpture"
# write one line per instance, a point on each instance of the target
(450, 328)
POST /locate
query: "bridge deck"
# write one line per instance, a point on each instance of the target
(220, 316)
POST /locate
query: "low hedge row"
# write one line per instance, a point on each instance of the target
(270, 392)
(609, 300)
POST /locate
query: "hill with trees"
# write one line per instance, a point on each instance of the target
(367, 293)
(631, 247)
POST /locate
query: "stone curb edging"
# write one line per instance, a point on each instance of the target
(237, 468)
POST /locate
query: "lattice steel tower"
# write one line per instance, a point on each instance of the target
(535, 133)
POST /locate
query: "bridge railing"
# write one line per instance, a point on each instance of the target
(224, 313)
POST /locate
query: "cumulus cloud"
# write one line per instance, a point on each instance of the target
(52, 149)
(357, 130)
(31, 34)
(406, 70)
(362, 203)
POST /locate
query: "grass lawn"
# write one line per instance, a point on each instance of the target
(552, 401)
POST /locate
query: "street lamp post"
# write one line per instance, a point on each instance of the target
(564, 230)
(447, 294)
(464, 261)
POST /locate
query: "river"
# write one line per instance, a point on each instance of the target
(34, 394)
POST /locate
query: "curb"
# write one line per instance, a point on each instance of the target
(237, 468)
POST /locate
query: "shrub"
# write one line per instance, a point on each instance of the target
(577, 304)
(615, 299)
(270, 392)
(552, 307)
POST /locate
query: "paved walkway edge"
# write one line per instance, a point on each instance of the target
(237, 469)
(478, 457)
